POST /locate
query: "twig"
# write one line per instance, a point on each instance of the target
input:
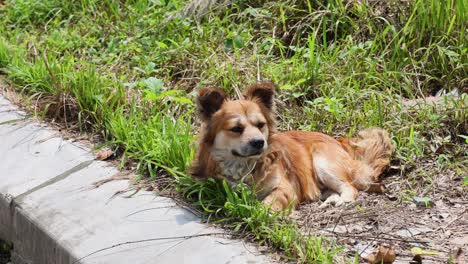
(146, 240)
(258, 63)
(153, 208)
(364, 250)
(379, 238)
(453, 220)
(337, 221)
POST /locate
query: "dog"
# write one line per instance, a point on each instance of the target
(239, 142)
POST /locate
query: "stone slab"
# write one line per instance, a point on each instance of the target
(51, 212)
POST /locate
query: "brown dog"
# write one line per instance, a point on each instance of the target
(239, 141)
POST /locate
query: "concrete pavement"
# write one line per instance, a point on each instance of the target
(51, 215)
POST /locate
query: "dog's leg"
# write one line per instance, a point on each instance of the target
(335, 173)
(346, 193)
(325, 194)
(332, 199)
(279, 199)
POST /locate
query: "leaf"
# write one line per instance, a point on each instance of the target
(182, 100)
(154, 85)
(150, 96)
(464, 137)
(239, 41)
(376, 188)
(99, 98)
(104, 154)
(171, 95)
(382, 255)
(451, 53)
(173, 92)
(286, 87)
(150, 67)
(459, 257)
(420, 251)
(301, 81)
(161, 44)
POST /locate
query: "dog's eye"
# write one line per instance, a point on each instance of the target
(260, 125)
(237, 129)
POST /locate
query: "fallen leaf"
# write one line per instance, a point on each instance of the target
(376, 188)
(104, 154)
(459, 257)
(383, 254)
(416, 260)
(420, 251)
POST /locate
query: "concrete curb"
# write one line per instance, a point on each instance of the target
(51, 215)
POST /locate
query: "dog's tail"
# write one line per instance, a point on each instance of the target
(371, 150)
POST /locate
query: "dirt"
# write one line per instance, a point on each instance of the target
(396, 221)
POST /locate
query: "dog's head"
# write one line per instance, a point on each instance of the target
(236, 129)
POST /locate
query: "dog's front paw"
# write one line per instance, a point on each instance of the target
(271, 202)
(333, 199)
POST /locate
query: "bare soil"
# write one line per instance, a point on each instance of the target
(395, 220)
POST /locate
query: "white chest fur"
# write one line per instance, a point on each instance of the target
(237, 168)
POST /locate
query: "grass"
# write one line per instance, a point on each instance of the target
(128, 71)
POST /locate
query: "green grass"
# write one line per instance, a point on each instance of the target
(127, 72)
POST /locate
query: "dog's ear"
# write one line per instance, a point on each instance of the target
(262, 92)
(209, 101)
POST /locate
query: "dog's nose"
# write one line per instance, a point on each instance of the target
(257, 143)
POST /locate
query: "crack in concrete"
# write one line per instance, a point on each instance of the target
(55, 179)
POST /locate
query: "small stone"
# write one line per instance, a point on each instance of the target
(383, 254)
(104, 154)
(423, 201)
(444, 215)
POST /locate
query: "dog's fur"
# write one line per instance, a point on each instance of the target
(289, 167)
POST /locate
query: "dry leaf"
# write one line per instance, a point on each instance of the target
(104, 154)
(376, 188)
(459, 257)
(416, 260)
(382, 255)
